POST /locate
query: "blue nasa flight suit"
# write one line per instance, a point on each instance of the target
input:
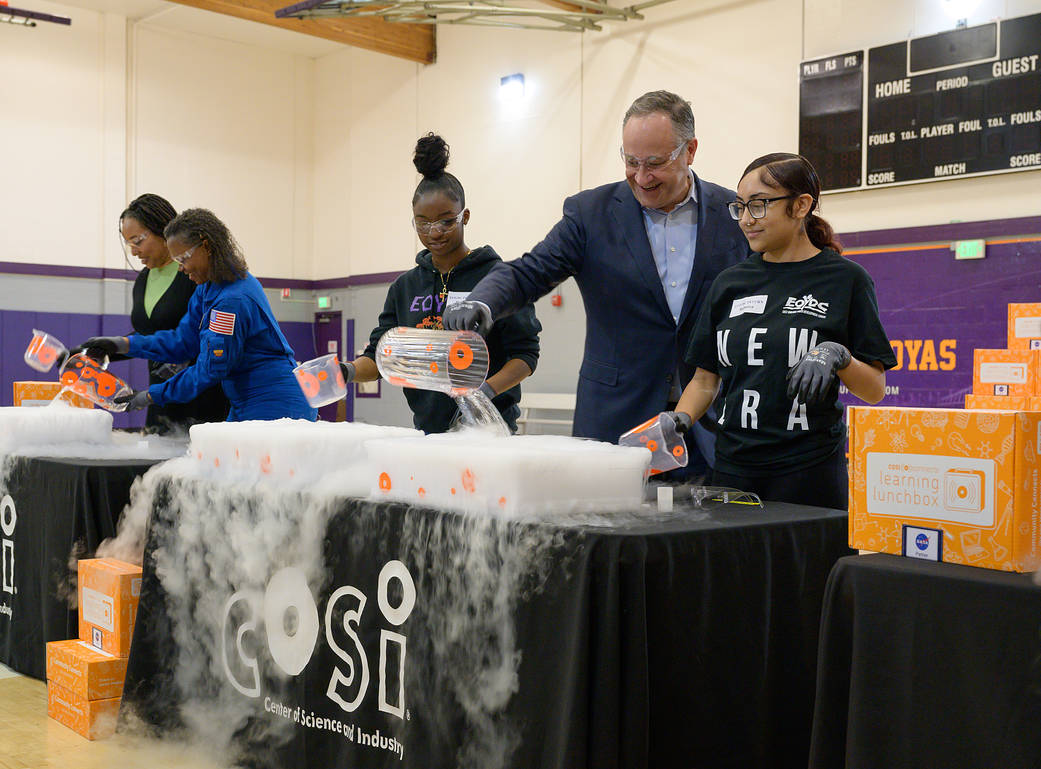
(235, 340)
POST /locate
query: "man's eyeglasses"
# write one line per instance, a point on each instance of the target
(756, 207)
(182, 258)
(652, 163)
(444, 225)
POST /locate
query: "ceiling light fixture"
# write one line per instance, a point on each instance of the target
(559, 15)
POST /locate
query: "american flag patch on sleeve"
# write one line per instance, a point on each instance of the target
(222, 322)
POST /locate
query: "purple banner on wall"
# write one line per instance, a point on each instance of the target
(937, 309)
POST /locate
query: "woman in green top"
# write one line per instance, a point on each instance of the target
(160, 300)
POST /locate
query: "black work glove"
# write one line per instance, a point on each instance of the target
(468, 315)
(97, 347)
(682, 419)
(812, 377)
(348, 370)
(135, 400)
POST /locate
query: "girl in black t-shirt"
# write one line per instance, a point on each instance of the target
(777, 334)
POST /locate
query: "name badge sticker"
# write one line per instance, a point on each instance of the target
(755, 305)
(922, 543)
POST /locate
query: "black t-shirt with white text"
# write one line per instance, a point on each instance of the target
(760, 319)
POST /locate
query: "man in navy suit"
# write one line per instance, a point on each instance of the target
(644, 253)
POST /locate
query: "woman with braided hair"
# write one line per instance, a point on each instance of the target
(228, 330)
(159, 300)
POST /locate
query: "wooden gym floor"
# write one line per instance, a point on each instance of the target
(31, 740)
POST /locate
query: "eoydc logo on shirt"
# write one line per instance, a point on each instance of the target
(806, 305)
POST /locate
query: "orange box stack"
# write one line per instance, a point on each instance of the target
(1024, 326)
(42, 393)
(85, 676)
(971, 475)
(1010, 378)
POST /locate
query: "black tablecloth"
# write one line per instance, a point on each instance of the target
(928, 664)
(687, 642)
(60, 506)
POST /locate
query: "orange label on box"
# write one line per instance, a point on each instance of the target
(971, 474)
(108, 595)
(87, 672)
(42, 393)
(1024, 326)
(1005, 372)
(94, 719)
(1016, 403)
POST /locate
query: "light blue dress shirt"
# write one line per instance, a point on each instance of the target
(672, 237)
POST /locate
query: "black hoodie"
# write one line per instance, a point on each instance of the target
(414, 300)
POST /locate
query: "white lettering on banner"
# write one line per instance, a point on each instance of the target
(797, 416)
(292, 627)
(949, 169)
(338, 679)
(749, 403)
(926, 486)
(288, 600)
(722, 335)
(1022, 118)
(798, 347)
(755, 345)
(8, 521)
(755, 305)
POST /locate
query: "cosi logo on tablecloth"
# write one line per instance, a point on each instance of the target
(8, 521)
(288, 594)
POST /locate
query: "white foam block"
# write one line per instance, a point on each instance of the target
(330, 456)
(58, 423)
(520, 475)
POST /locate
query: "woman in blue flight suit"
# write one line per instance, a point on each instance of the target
(229, 330)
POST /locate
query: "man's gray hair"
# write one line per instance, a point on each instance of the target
(676, 107)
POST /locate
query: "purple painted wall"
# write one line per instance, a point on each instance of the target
(937, 310)
(16, 330)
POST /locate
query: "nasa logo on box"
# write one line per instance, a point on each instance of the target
(1001, 389)
(95, 637)
(1035, 344)
(926, 544)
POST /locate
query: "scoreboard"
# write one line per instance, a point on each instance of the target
(954, 104)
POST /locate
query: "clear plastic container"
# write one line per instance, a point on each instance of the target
(85, 376)
(321, 380)
(660, 436)
(452, 362)
(43, 351)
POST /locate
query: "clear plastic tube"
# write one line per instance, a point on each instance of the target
(452, 362)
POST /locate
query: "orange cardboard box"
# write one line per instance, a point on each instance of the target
(1034, 404)
(88, 673)
(1016, 403)
(1005, 372)
(108, 594)
(971, 475)
(94, 719)
(42, 393)
(1024, 326)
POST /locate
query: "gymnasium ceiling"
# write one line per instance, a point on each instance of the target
(375, 26)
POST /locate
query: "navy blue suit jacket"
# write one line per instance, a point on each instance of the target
(632, 344)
